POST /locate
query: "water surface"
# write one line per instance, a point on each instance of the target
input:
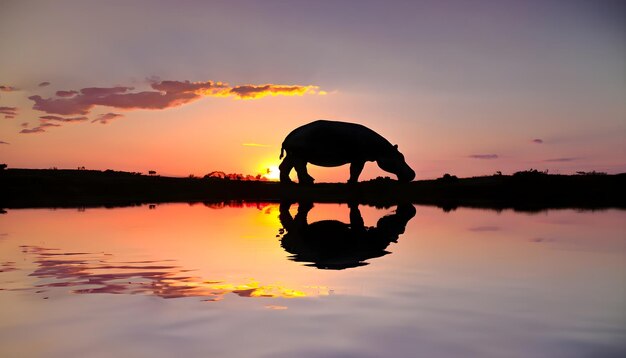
(329, 280)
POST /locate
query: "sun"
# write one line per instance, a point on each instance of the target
(272, 172)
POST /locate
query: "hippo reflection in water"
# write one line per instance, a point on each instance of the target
(331, 144)
(334, 245)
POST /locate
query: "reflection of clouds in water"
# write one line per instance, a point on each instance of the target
(96, 273)
(7, 266)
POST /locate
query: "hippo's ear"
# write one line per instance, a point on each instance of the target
(395, 146)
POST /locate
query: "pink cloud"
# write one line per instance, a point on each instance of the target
(66, 93)
(561, 160)
(44, 84)
(484, 156)
(62, 106)
(537, 141)
(64, 119)
(9, 112)
(3, 142)
(166, 94)
(41, 128)
(107, 117)
(97, 92)
(146, 100)
(32, 130)
(7, 88)
(186, 86)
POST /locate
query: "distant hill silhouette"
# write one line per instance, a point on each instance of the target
(529, 190)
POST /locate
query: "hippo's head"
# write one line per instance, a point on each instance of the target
(393, 161)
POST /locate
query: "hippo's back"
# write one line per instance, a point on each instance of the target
(332, 143)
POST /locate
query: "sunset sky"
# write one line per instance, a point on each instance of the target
(189, 87)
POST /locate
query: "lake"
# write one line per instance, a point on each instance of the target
(323, 280)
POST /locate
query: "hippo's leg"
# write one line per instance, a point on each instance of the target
(285, 168)
(303, 174)
(356, 220)
(355, 170)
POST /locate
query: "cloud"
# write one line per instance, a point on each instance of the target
(50, 121)
(62, 119)
(107, 117)
(9, 112)
(44, 84)
(537, 141)
(208, 87)
(259, 91)
(3, 142)
(32, 130)
(66, 93)
(173, 94)
(41, 128)
(255, 145)
(561, 160)
(80, 104)
(484, 228)
(484, 156)
(7, 88)
(165, 94)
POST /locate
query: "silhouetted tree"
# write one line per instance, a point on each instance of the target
(215, 175)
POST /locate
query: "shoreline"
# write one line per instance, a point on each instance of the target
(523, 191)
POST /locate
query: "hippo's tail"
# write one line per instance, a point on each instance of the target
(282, 152)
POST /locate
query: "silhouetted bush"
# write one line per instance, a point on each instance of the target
(531, 173)
(381, 180)
(591, 173)
(219, 175)
(447, 178)
(3, 166)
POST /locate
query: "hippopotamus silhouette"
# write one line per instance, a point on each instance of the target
(335, 245)
(331, 144)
